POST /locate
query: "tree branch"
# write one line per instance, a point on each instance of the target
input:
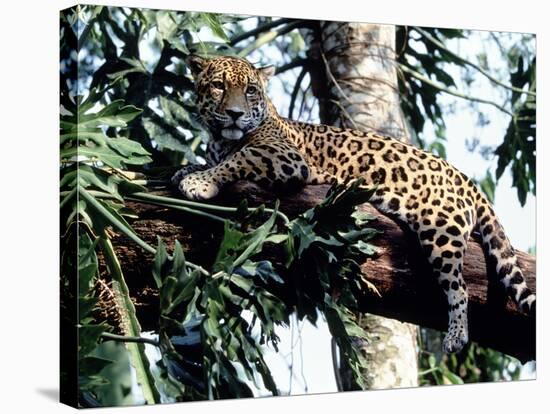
(401, 275)
(123, 338)
(259, 29)
(298, 62)
(295, 91)
(269, 36)
(468, 63)
(440, 87)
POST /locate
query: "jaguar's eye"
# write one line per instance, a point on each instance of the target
(218, 85)
(251, 90)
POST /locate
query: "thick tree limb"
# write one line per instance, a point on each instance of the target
(400, 273)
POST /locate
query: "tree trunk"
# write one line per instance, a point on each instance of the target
(356, 83)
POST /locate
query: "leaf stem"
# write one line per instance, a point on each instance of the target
(124, 338)
(127, 232)
(114, 221)
(428, 371)
(194, 204)
(68, 195)
(181, 208)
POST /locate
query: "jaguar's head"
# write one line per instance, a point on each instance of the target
(231, 94)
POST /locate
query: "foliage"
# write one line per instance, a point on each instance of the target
(93, 200)
(473, 364)
(213, 327)
(424, 62)
(93, 151)
(519, 146)
(420, 98)
(128, 111)
(89, 331)
(207, 340)
(104, 376)
(327, 245)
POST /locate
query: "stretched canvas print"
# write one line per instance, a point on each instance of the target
(257, 206)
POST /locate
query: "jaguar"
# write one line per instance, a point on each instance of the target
(251, 141)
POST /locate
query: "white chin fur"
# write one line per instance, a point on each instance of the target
(232, 133)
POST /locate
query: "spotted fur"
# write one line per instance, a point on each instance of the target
(435, 200)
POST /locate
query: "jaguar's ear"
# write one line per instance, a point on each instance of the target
(195, 64)
(267, 72)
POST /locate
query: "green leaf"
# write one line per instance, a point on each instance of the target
(86, 148)
(166, 140)
(455, 379)
(87, 263)
(519, 146)
(161, 263)
(227, 353)
(167, 26)
(431, 361)
(362, 217)
(213, 22)
(255, 239)
(188, 293)
(93, 363)
(237, 247)
(263, 269)
(180, 266)
(366, 248)
(342, 328)
(115, 114)
(82, 134)
(136, 66)
(438, 148)
(277, 238)
(488, 186)
(105, 214)
(88, 337)
(331, 242)
(303, 232)
(117, 390)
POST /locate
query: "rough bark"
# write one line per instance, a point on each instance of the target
(360, 87)
(399, 272)
(357, 88)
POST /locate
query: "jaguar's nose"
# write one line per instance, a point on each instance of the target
(234, 114)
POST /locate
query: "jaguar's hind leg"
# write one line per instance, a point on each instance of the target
(318, 176)
(446, 255)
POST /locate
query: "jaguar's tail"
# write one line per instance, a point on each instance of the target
(502, 256)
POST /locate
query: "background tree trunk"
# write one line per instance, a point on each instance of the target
(355, 81)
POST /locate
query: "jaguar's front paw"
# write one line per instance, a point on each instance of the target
(195, 187)
(185, 171)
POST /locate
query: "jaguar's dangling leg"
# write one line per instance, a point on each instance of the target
(445, 253)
